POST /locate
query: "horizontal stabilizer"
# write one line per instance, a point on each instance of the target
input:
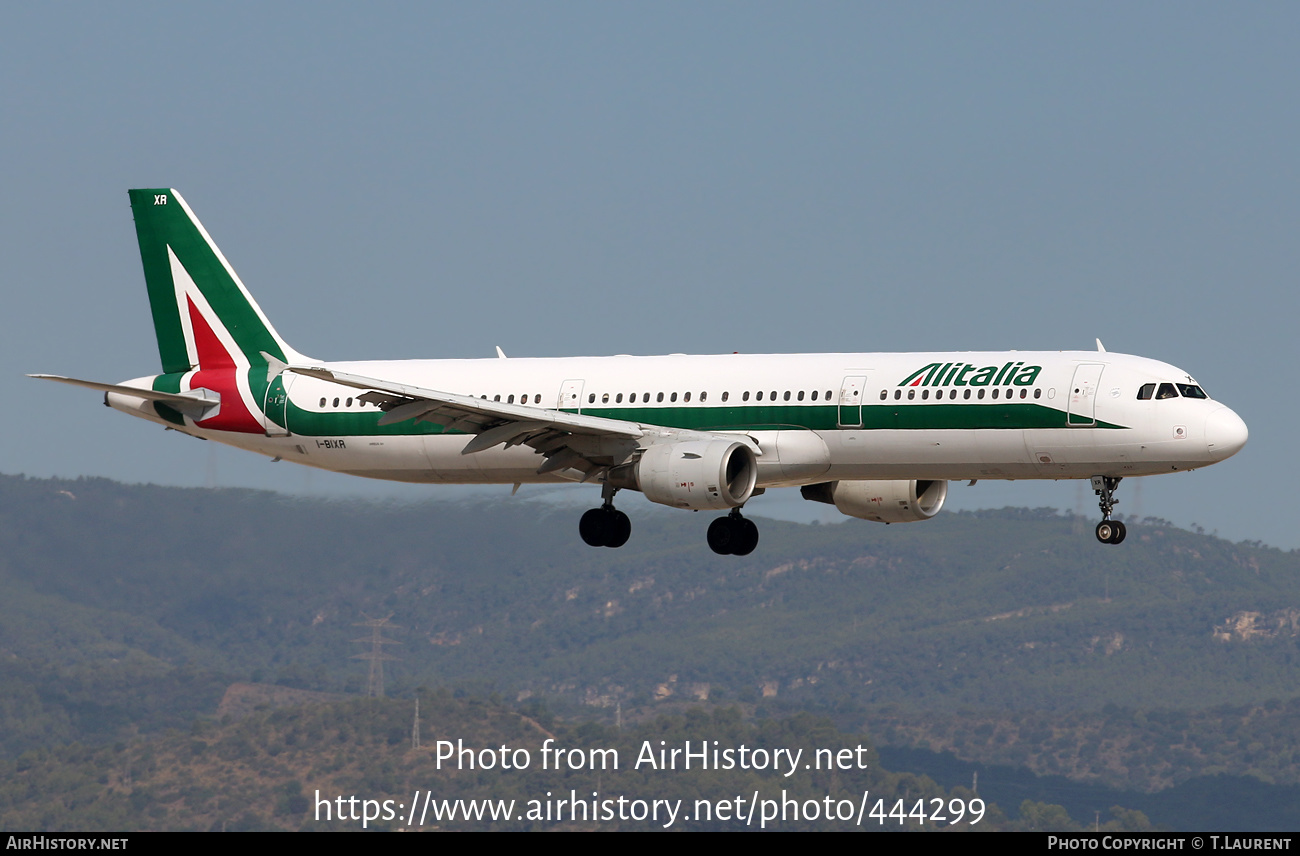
(195, 405)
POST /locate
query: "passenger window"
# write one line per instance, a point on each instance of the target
(1038, 393)
(925, 394)
(322, 402)
(604, 399)
(979, 394)
(672, 397)
(884, 393)
(911, 394)
(965, 393)
(952, 393)
(510, 399)
(618, 399)
(787, 395)
(725, 396)
(336, 402)
(496, 398)
(898, 393)
(704, 396)
(773, 395)
(686, 397)
(744, 396)
(659, 397)
(759, 395)
(1166, 390)
(814, 395)
(591, 399)
(995, 392)
(828, 395)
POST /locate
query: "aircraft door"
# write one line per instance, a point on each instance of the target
(275, 409)
(850, 410)
(1083, 395)
(570, 396)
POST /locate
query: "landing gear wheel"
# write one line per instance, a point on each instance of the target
(620, 529)
(748, 537)
(605, 527)
(722, 536)
(593, 527)
(1108, 531)
(733, 535)
(1111, 531)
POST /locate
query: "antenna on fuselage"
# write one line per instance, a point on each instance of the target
(1100, 347)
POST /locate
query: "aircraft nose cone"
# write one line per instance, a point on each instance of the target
(1225, 433)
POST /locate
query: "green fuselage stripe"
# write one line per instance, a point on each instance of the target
(750, 417)
(168, 383)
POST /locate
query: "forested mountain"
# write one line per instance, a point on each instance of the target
(286, 769)
(131, 608)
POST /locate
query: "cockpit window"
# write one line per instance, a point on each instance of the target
(1166, 391)
(1147, 390)
(1190, 390)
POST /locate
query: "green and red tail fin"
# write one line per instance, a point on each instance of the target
(203, 315)
(212, 335)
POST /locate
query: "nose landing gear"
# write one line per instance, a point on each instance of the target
(1108, 531)
(733, 535)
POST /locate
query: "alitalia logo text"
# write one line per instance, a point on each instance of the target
(968, 374)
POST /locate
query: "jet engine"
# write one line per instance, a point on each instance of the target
(697, 474)
(893, 501)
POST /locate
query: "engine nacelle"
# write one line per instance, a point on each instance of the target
(893, 501)
(698, 474)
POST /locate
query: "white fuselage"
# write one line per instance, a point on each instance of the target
(815, 417)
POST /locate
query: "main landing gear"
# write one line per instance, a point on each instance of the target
(733, 535)
(1108, 531)
(605, 526)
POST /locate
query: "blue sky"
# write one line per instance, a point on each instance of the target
(434, 180)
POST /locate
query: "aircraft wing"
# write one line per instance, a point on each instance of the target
(567, 440)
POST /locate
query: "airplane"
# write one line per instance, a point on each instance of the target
(877, 435)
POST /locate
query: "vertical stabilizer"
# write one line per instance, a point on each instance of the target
(201, 311)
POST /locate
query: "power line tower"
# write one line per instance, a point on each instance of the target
(376, 655)
(415, 726)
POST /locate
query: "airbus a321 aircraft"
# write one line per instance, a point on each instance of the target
(876, 435)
